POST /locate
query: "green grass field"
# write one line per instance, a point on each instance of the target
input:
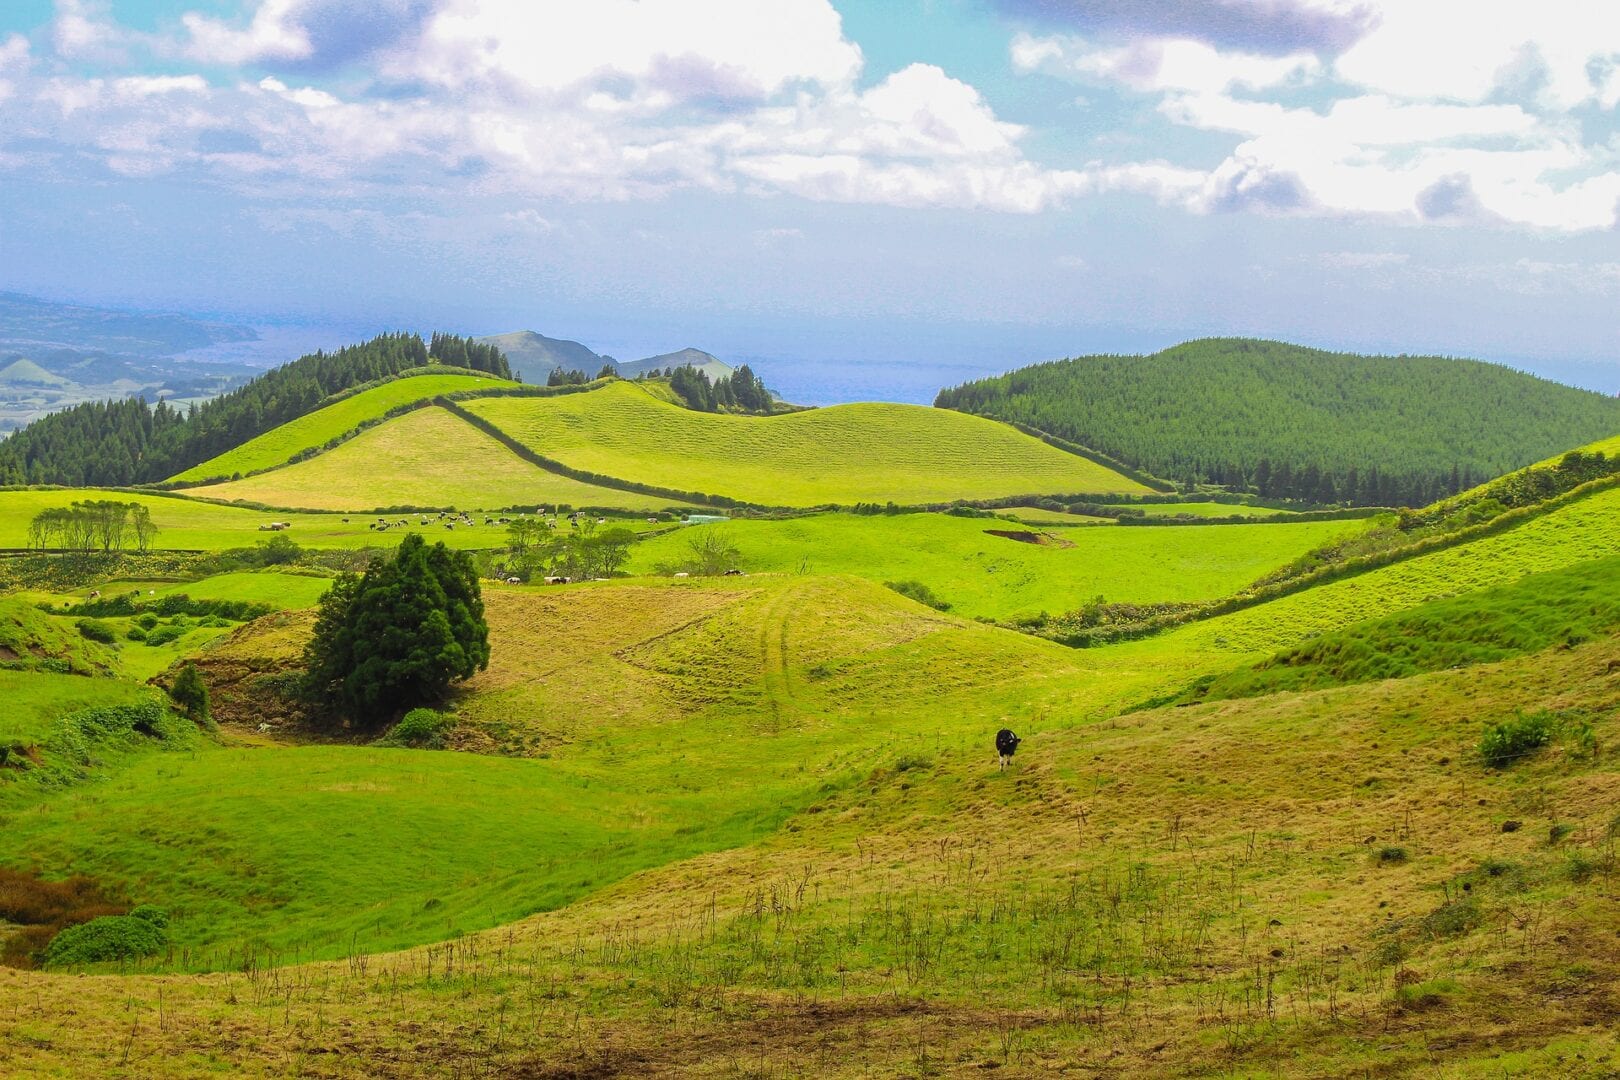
(996, 577)
(315, 429)
(754, 826)
(284, 590)
(424, 458)
(298, 850)
(34, 700)
(194, 525)
(843, 454)
(1567, 607)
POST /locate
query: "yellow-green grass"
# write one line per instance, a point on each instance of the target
(316, 429)
(1208, 509)
(842, 454)
(195, 525)
(1104, 906)
(779, 689)
(984, 575)
(1038, 515)
(1131, 672)
(424, 458)
(34, 700)
(284, 590)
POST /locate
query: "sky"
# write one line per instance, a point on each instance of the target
(862, 197)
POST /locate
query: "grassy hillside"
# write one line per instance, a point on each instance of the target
(981, 574)
(31, 639)
(36, 699)
(1560, 607)
(770, 669)
(1253, 886)
(1215, 409)
(844, 454)
(314, 430)
(425, 458)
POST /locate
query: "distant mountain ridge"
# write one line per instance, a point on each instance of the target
(54, 355)
(534, 356)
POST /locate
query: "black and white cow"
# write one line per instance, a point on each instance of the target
(1006, 746)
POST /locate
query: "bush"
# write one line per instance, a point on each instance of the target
(191, 694)
(135, 633)
(420, 729)
(146, 620)
(1512, 740)
(96, 630)
(165, 634)
(158, 917)
(110, 937)
(916, 590)
(1392, 856)
(279, 550)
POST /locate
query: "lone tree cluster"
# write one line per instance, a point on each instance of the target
(396, 637)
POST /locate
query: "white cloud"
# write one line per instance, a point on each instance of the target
(616, 99)
(1161, 64)
(274, 33)
(1441, 112)
(82, 30)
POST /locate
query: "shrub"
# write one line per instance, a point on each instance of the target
(110, 937)
(165, 634)
(1512, 740)
(279, 550)
(135, 633)
(146, 620)
(420, 729)
(96, 630)
(158, 917)
(1392, 856)
(191, 694)
(916, 590)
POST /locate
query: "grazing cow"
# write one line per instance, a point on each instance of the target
(683, 573)
(514, 581)
(95, 594)
(1006, 746)
(557, 581)
(450, 525)
(345, 521)
(733, 572)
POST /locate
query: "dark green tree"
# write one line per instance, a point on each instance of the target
(397, 636)
(191, 694)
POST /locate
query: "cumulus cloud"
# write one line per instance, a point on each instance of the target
(616, 99)
(1263, 26)
(1431, 115)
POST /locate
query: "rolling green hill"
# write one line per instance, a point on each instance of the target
(314, 430)
(1297, 422)
(426, 458)
(116, 443)
(981, 574)
(844, 454)
(1559, 607)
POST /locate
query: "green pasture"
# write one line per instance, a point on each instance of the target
(317, 851)
(1559, 607)
(842, 454)
(982, 574)
(316, 429)
(192, 524)
(33, 700)
(424, 458)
